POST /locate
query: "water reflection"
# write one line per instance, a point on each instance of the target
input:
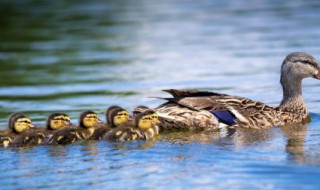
(296, 135)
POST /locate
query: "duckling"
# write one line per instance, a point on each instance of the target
(87, 121)
(139, 109)
(143, 127)
(115, 116)
(38, 135)
(18, 124)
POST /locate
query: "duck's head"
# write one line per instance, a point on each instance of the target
(117, 116)
(89, 119)
(18, 122)
(146, 120)
(299, 65)
(58, 121)
(139, 109)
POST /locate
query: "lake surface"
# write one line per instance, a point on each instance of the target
(69, 57)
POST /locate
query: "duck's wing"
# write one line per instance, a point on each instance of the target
(191, 93)
(230, 110)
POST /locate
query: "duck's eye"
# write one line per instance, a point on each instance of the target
(305, 62)
(92, 117)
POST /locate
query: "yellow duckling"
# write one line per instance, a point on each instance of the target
(57, 121)
(38, 135)
(115, 116)
(87, 121)
(18, 125)
(143, 127)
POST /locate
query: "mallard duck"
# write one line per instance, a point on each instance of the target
(193, 109)
(143, 127)
(115, 116)
(87, 121)
(38, 135)
(18, 125)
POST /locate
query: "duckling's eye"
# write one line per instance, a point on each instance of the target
(25, 122)
(154, 116)
(123, 114)
(92, 117)
(147, 118)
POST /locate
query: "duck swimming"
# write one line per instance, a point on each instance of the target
(87, 121)
(115, 116)
(144, 127)
(38, 135)
(192, 109)
(18, 125)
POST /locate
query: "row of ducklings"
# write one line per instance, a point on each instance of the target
(59, 130)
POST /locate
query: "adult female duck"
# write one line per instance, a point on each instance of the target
(209, 110)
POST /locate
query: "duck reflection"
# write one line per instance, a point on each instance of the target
(246, 137)
(296, 134)
(187, 136)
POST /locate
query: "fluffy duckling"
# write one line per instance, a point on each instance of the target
(143, 127)
(18, 125)
(57, 121)
(115, 116)
(87, 121)
(139, 109)
(38, 135)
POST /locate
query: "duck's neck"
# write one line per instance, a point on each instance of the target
(292, 100)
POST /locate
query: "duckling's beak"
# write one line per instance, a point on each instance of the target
(31, 126)
(100, 121)
(155, 122)
(68, 123)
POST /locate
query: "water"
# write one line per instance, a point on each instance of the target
(64, 56)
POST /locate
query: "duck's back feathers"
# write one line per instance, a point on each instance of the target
(213, 109)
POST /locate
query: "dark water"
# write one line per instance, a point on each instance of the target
(71, 56)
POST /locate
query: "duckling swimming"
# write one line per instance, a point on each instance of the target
(87, 121)
(18, 125)
(38, 135)
(115, 116)
(143, 127)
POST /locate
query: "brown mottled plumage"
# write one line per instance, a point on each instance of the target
(200, 109)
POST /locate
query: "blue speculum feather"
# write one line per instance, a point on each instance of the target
(225, 116)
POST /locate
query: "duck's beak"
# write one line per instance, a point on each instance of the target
(317, 76)
(31, 126)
